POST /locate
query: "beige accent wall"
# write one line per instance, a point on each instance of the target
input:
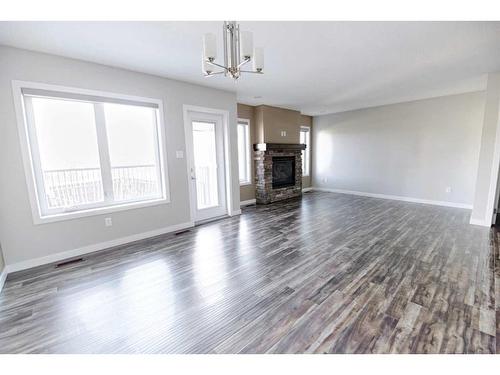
(247, 192)
(266, 124)
(271, 121)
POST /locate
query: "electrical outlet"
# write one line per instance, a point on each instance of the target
(448, 189)
(108, 222)
(179, 154)
(325, 179)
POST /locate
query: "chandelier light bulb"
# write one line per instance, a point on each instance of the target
(209, 46)
(258, 59)
(246, 45)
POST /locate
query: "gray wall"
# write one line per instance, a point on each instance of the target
(21, 239)
(413, 149)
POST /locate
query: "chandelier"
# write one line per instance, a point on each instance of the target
(238, 51)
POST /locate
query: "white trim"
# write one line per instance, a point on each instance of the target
(482, 223)
(235, 212)
(492, 192)
(305, 190)
(248, 202)
(103, 151)
(3, 277)
(397, 198)
(76, 90)
(28, 160)
(19, 266)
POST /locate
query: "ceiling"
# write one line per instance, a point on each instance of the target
(314, 67)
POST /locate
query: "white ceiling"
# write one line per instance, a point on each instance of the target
(314, 67)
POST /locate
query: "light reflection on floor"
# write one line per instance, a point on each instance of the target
(209, 263)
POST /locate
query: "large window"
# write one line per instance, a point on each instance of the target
(91, 152)
(244, 159)
(305, 138)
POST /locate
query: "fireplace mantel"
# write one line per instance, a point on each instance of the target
(278, 146)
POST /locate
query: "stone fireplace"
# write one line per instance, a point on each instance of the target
(278, 171)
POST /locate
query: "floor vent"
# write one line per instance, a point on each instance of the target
(69, 262)
(182, 232)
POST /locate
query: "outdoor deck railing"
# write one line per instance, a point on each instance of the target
(71, 187)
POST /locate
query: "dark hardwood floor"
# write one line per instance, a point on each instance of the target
(330, 273)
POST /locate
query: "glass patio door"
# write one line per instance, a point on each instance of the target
(207, 166)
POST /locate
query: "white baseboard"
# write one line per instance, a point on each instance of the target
(247, 203)
(482, 223)
(235, 212)
(3, 277)
(397, 198)
(305, 190)
(92, 248)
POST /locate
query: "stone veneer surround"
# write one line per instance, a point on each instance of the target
(263, 157)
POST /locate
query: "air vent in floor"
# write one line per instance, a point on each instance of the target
(69, 262)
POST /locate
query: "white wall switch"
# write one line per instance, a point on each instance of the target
(108, 222)
(448, 189)
(179, 154)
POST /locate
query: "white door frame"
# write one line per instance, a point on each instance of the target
(189, 155)
(493, 193)
(494, 189)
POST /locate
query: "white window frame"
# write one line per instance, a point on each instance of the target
(29, 148)
(248, 164)
(307, 152)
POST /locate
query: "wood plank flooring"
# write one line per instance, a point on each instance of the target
(330, 273)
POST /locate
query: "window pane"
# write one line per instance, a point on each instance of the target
(69, 156)
(205, 162)
(133, 151)
(242, 153)
(308, 152)
(304, 139)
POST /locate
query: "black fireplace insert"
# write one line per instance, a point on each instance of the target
(283, 171)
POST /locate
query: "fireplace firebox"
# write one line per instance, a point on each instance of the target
(283, 171)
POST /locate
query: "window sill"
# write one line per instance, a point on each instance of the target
(245, 183)
(37, 219)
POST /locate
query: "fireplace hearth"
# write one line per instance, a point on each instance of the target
(278, 169)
